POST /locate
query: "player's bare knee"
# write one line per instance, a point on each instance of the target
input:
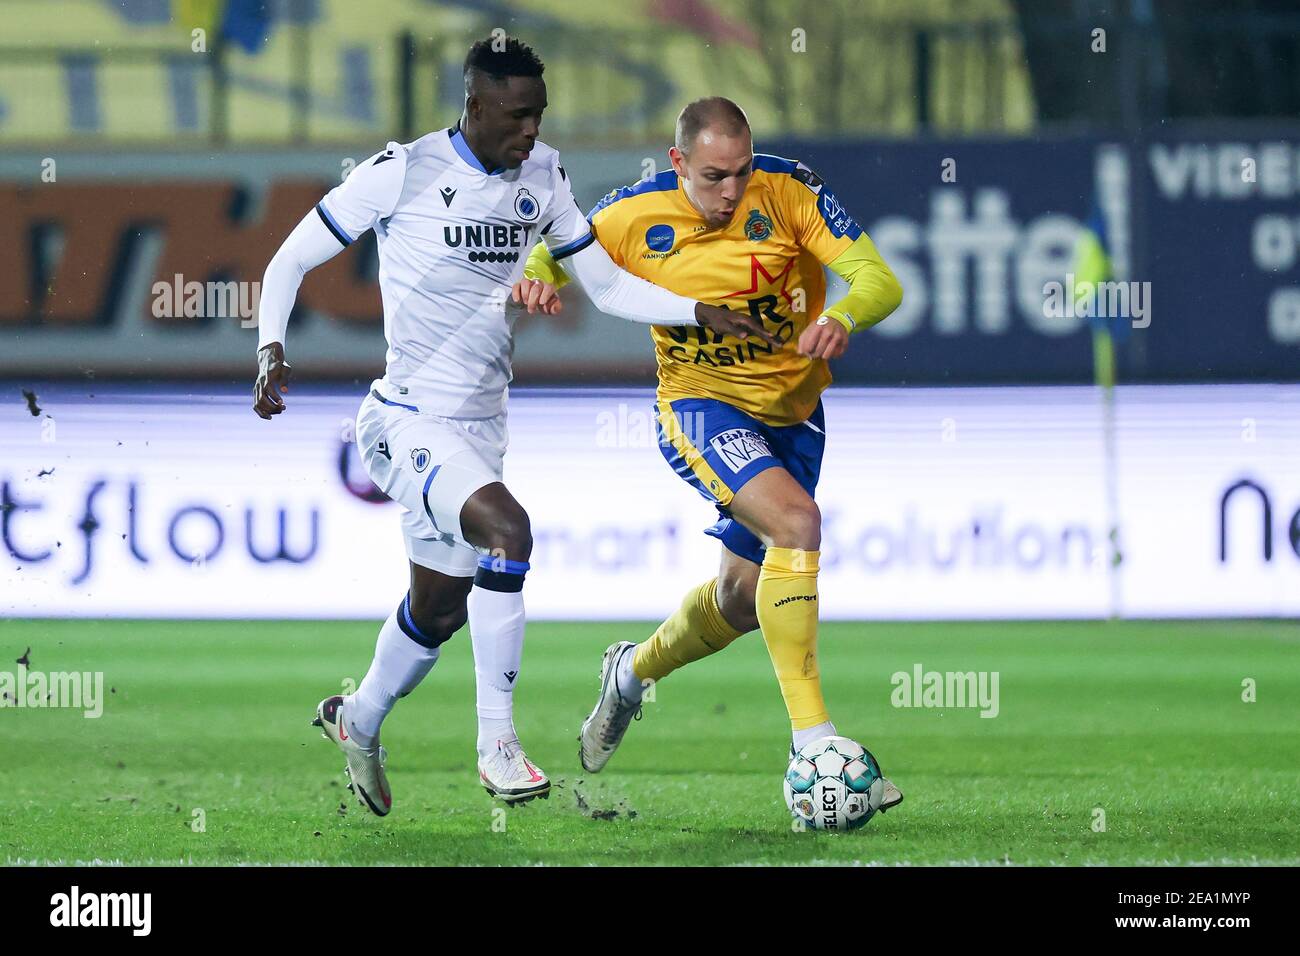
(496, 524)
(508, 534)
(796, 526)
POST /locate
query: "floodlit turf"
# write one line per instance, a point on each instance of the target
(208, 722)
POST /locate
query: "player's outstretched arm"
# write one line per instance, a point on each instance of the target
(310, 244)
(572, 240)
(630, 297)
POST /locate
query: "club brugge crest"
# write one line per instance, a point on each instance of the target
(420, 458)
(757, 227)
(526, 207)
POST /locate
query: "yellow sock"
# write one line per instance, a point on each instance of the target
(697, 629)
(786, 602)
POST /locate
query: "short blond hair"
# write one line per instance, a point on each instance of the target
(702, 114)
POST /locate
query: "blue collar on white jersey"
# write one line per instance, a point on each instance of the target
(467, 154)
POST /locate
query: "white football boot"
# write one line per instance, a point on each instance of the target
(892, 796)
(365, 768)
(605, 726)
(509, 774)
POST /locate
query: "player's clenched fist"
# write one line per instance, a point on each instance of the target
(537, 296)
(824, 339)
(272, 378)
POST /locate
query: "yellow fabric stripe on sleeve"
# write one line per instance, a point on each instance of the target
(874, 291)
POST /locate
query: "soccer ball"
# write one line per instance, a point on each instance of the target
(834, 783)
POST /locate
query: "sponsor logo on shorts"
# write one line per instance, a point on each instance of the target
(737, 447)
(420, 458)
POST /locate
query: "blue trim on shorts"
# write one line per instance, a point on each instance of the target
(424, 496)
(375, 393)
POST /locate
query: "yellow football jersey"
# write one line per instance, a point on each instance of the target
(766, 262)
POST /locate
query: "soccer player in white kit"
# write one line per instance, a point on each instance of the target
(455, 213)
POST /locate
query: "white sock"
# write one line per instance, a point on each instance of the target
(629, 685)
(397, 669)
(496, 627)
(804, 737)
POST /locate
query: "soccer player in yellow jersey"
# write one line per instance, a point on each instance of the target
(741, 421)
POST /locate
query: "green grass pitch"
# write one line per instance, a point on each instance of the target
(207, 723)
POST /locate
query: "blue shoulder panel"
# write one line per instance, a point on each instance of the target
(774, 164)
(664, 181)
(833, 213)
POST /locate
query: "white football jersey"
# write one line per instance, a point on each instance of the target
(453, 239)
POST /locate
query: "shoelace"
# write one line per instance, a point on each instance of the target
(607, 728)
(606, 733)
(513, 756)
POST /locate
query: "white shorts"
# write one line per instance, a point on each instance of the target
(430, 465)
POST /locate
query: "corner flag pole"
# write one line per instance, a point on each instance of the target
(1103, 363)
(1093, 266)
